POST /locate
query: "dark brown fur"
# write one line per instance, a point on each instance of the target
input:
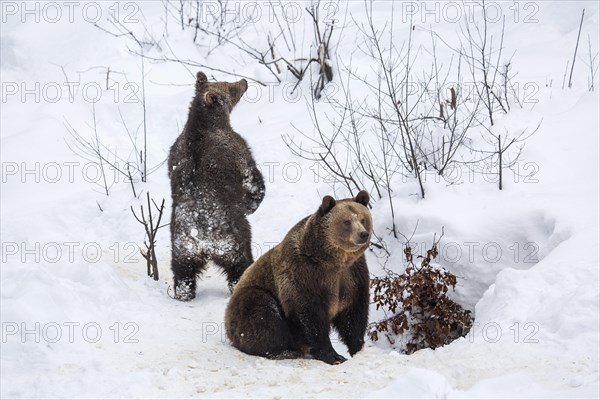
(286, 302)
(214, 185)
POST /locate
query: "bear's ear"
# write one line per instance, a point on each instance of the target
(201, 77)
(362, 197)
(200, 81)
(326, 205)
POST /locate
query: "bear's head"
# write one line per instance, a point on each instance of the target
(348, 222)
(221, 96)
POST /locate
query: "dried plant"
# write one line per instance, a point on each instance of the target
(418, 300)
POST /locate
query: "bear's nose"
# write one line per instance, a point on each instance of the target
(364, 235)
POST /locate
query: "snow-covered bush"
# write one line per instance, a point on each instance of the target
(408, 114)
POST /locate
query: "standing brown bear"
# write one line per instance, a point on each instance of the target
(286, 302)
(214, 185)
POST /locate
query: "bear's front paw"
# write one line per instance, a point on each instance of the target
(338, 359)
(330, 357)
(356, 347)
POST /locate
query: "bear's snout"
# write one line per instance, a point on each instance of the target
(244, 84)
(364, 236)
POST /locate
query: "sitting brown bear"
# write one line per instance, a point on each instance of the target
(286, 301)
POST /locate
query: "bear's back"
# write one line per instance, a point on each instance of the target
(207, 163)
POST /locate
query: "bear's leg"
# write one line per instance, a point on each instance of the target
(351, 325)
(187, 262)
(235, 268)
(238, 254)
(256, 325)
(188, 257)
(185, 269)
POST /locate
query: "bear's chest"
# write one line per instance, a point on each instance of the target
(338, 296)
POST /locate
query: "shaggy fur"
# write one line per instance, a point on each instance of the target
(214, 185)
(287, 301)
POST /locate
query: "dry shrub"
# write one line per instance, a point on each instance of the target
(418, 300)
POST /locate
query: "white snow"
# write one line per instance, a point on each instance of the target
(81, 319)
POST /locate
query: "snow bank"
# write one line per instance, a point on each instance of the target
(81, 319)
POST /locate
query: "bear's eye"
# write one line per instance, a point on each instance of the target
(347, 222)
(363, 221)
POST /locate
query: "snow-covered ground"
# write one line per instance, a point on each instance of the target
(80, 318)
